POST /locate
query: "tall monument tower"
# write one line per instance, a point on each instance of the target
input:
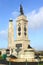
(10, 34)
(22, 26)
(22, 30)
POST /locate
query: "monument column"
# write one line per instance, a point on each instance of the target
(10, 34)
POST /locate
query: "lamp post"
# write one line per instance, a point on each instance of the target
(26, 61)
(38, 60)
(11, 54)
(9, 63)
(37, 56)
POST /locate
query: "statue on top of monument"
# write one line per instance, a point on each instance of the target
(21, 10)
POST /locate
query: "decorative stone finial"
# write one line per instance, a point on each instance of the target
(21, 10)
(10, 20)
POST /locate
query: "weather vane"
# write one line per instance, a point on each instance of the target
(21, 10)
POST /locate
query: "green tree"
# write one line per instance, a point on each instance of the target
(4, 56)
(0, 52)
(0, 55)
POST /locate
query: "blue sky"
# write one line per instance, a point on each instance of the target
(33, 9)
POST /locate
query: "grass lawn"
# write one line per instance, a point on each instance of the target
(40, 64)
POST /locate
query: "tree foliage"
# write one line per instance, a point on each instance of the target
(4, 56)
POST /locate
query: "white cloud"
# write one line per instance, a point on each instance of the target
(35, 18)
(15, 14)
(2, 32)
(3, 35)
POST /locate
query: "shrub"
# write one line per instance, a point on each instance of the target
(0, 52)
(0, 57)
(4, 56)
